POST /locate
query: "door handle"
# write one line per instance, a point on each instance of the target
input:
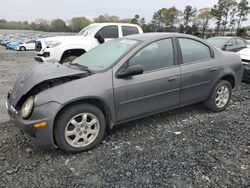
(173, 79)
(214, 69)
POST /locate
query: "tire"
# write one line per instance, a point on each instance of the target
(219, 102)
(22, 48)
(68, 59)
(86, 138)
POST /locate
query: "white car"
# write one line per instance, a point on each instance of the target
(245, 57)
(30, 45)
(66, 48)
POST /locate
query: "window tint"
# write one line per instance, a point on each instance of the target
(109, 31)
(157, 55)
(193, 50)
(127, 30)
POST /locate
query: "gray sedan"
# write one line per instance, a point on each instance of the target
(70, 106)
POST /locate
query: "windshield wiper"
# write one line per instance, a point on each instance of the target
(82, 67)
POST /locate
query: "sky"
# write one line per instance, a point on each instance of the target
(30, 10)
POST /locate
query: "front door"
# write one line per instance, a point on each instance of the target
(109, 32)
(158, 88)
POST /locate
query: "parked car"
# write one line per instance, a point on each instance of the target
(30, 45)
(71, 105)
(67, 48)
(233, 44)
(13, 45)
(245, 57)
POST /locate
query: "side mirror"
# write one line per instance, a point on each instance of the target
(100, 38)
(130, 71)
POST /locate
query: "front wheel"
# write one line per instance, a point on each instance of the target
(80, 128)
(220, 97)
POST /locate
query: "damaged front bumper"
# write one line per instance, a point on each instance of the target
(42, 136)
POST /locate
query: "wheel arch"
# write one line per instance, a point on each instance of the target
(230, 78)
(93, 101)
(22, 46)
(69, 52)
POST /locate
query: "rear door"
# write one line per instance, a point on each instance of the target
(158, 88)
(129, 30)
(198, 70)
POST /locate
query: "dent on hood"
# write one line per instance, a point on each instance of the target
(46, 85)
(41, 77)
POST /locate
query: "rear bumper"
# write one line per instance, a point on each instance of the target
(42, 136)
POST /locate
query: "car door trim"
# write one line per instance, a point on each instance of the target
(148, 96)
(201, 83)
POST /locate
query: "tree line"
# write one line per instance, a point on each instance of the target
(228, 16)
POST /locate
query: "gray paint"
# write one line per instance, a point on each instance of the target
(133, 97)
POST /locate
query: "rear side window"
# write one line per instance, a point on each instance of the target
(109, 31)
(193, 50)
(128, 30)
(241, 42)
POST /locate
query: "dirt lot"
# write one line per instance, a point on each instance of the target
(189, 147)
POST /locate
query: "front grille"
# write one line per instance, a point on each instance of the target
(38, 46)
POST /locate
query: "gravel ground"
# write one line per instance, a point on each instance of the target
(188, 147)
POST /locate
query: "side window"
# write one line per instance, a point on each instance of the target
(232, 41)
(109, 31)
(128, 30)
(193, 50)
(32, 41)
(157, 55)
(241, 43)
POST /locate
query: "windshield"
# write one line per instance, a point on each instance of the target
(87, 30)
(105, 54)
(219, 42)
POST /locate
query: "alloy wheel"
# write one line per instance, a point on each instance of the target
(222, 96)
(82, 130)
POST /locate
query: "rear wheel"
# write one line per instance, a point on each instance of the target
(220, 97)
(22, 48)
(80, 128)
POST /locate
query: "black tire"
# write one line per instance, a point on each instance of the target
(68, 59)
(211, 102)
(22, 48)
(66, 116)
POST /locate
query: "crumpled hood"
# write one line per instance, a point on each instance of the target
(38, 73)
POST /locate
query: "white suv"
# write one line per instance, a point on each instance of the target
(67, 48)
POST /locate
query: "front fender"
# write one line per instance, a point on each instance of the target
(82, 89)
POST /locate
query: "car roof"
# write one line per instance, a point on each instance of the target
(123, 24)
(157, 36)
(226, 37)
